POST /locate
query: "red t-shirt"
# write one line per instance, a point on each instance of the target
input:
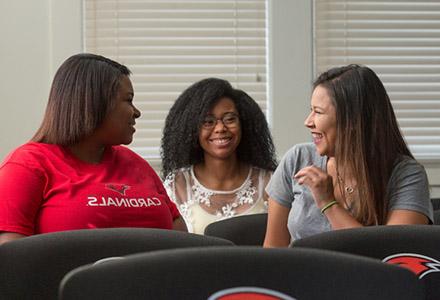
(44, 188)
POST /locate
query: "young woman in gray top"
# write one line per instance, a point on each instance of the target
(358, 171)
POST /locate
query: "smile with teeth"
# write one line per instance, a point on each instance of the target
(316, 136)
(221, 141)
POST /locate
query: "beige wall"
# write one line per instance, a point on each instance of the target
(37, 35)
(290, 71)
(24, 61)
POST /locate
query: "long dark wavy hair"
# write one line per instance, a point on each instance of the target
(180, 140)
(368, 142)
(83, 92)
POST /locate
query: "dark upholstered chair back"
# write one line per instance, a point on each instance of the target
(416, 247)
(32, 267)
(436, 207)
(209, 273)
(242, 230)
(437, 217)
(435, 203)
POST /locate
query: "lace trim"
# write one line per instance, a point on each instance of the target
(184, 208)
(168, 182)
(202, 195)
(243, 195)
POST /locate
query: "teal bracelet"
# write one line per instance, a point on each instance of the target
(328, 205)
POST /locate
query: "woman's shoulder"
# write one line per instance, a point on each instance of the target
(408, 174)
(303, 149)
(32, 153)
(260, 176)
(260, 171)
(302, 155)
(34, 148)
(180, 171)
(178, 175)
(128, 156)
(121, 150)
(406, 165)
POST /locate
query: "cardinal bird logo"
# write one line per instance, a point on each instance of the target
(249, 293)
(421, 265)
(119, 188)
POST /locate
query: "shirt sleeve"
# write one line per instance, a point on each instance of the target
(169, 185)
(409, 188)
(279, 187)
(21, 190)
(161, 189)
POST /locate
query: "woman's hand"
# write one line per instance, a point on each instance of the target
(319, 182)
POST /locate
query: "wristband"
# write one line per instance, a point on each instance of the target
(328, 205)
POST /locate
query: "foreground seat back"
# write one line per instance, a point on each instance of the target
(437, 217)
(32, 267)
(245, 230)
(415, 247)
(249, 272)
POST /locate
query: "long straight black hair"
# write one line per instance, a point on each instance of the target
(83, 92)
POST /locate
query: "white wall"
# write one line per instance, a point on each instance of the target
(24, 61)
(290, 71)
(37, 35)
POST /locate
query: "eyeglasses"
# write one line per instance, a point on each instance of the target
(229, 120)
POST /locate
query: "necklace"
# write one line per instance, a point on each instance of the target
(346, 191)
(347, 188)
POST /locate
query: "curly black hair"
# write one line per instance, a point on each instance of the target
(180, 141)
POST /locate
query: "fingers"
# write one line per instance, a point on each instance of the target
(319, 182)
(310, 174)
(314, 178)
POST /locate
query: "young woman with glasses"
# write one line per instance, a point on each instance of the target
(217, 154)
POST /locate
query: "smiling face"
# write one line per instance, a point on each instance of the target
(322, 121)
(118, 126)
(221, 140)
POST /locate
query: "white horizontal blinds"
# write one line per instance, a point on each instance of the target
(399, 40)
(169, 45)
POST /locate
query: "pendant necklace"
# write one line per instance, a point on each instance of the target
(347, 188)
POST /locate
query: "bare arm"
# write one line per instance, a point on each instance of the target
(402, 216)
(320, 184)
(339, 218)
(179, 224)
(277, 234)
(10, 236)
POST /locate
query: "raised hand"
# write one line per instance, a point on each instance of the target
(319, 182)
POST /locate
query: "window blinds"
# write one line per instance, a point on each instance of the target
(400, 41)
(169, 45)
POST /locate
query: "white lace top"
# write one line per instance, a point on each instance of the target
(200, 206)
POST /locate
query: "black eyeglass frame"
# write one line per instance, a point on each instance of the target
(229, 120)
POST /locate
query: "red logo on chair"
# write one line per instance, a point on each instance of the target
(249, 293)
(421, 265)
(119, 188)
